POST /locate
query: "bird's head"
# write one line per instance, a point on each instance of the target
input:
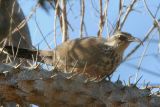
(121, 40)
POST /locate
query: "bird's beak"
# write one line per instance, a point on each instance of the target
(134, 39)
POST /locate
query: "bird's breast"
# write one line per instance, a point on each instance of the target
(109, 62)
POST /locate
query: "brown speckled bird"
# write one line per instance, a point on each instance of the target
(93, 57)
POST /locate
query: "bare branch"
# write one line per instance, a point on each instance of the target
(82, 18)
(156, 22)
(136, 47)
(144, 52)
(118, 27)
(55, 21)
(64, 22)
(24, 22)
(103, 17)
(42, 33)
(53, 89)
(129, 9)
(158, 8)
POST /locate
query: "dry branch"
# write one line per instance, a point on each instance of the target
(55, 21)
(64, 22)
(103, 17)
(144, 39)
(48, 88)
(118, 27)
(82, 18)
(128, 11)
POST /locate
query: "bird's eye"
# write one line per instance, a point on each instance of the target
(122, 38)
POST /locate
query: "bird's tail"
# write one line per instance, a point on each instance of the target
(36, 55)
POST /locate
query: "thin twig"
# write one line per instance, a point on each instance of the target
(118, 27)
(42, 33)
(74, 66)
(156, 22)
(146, 55)
(64, 22)
(17, 48)
(94, 7)
(144, 52)
(153, 17)
(146, 70)
(48, 34)
(55, 21)
(142, 56)
(12, 21)
(158, 8)
(82, 17)
(23, 22)
(59, 10)
(129, 9)
(148, 10)
(155, 86)
(103, 18)
(136, 47)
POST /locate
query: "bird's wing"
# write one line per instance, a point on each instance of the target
(80, 51)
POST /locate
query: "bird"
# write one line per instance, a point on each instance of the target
(93, 57)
